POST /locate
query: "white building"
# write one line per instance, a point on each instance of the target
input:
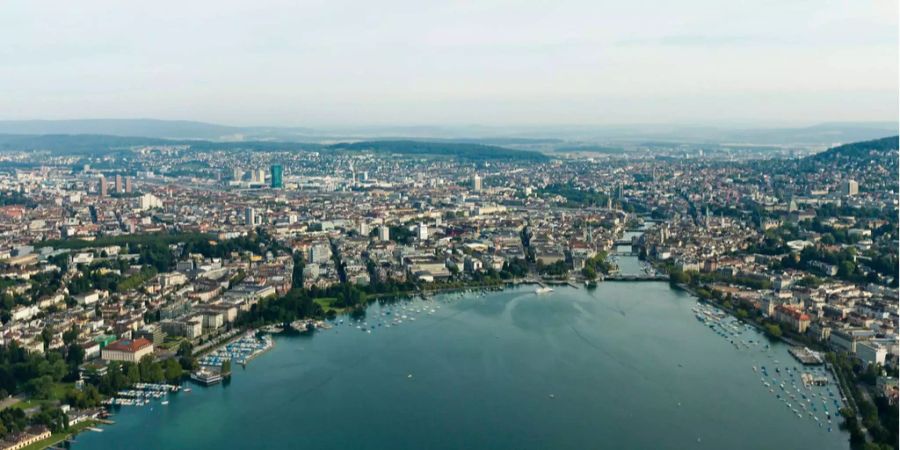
(150, 201)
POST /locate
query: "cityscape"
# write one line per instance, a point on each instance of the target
(127, 267)
(450, 225)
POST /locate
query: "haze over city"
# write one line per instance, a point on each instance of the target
(344, 63)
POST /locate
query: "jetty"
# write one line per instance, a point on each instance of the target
(806, 356)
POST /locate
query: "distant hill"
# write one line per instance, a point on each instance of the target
(874, 149)
(168, 129)
(525, 137)
(459, 150)
(93, 144)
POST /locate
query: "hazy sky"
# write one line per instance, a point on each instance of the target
(403, 62)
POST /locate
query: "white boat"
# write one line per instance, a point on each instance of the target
(543, 290)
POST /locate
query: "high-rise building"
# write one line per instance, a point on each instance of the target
(850, 187)
(128, 185)
(101, 188)
(250, 216)
(277, 174)
(119, 187)
(237, 174)
(363, 228)
(365, 175)
(422, 232)
(261, 176)
(150, 201)
(384, 233)
(476, 183)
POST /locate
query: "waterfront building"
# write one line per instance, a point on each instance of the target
(130, 350)
(31, 435)
(793, 317)
(871, 352)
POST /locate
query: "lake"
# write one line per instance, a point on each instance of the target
(623, 366)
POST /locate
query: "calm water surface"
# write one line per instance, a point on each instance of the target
(623, 366)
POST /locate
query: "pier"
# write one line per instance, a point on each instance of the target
(806, 356)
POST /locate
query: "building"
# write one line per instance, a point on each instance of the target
(150, 201)
(237, 174)
(31, 435)
(129, 188)
(847, 339)
(422, 232)
(871, 353)
(476, 183)
(796, 319)
(119, 186)
(250, 216)
(277, 176)
(101, 186)
(384, 233)
(850, 187)
(130, 350)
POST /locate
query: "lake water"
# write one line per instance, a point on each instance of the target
(623, 366)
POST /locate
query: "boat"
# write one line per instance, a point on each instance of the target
(164, 402)
(543, 290)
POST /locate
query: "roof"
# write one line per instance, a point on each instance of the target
(128, 345)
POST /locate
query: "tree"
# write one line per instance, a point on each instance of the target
(173, 371)
(226, 367)
(74, 355)
(41, 387)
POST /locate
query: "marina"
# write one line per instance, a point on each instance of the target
(142, 394)
(808, 392)
(240, 351)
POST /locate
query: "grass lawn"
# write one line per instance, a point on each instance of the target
(57, 394)
(56, 438)
(326, 302)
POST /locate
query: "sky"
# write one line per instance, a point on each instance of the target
(484, 62)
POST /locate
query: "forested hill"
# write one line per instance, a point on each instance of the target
(459, 150)
(87, 144)
(871, 150)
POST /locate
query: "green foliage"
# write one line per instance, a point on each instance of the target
(575, 196)
(774, 330)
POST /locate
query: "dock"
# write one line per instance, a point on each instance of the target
(806, 356)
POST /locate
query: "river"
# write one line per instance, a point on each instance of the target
(622, 366)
